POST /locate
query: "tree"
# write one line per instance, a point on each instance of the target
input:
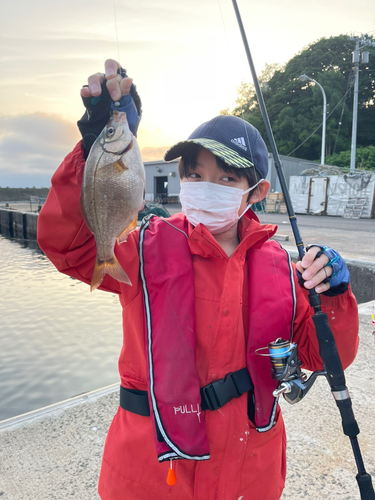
(365, 158)
(295, 108)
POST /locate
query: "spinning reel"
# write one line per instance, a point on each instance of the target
(294, 384)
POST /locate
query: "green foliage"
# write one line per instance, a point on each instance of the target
(295, 108)
(364, 158)
(22, 194)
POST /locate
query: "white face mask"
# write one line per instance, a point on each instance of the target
(214, 205)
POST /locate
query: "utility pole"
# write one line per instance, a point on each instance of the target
(360, 43)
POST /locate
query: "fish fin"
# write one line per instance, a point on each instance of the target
(111, 267)
(124, 235)
(120, 165)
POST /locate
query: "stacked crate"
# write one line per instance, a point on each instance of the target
(275, 203)
(282, 208)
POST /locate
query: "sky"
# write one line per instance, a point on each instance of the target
(186, 58)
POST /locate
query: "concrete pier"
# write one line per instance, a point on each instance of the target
(55, 453)
(17, 224)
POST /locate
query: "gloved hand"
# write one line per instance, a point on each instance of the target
(98, 98)
(324, 269)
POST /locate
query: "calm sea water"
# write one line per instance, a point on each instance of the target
(57, 340)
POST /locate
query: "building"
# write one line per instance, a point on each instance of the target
(163, 181)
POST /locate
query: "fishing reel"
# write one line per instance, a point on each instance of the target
(286, 368)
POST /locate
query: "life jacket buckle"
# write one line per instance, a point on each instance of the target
(218, 393)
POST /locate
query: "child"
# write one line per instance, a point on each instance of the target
(209, 289)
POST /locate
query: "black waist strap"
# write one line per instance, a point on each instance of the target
(213, 396)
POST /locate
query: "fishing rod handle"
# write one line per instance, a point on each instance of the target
(335, 374)
(366, 488)
(328, 352)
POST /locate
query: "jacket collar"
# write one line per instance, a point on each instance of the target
(251, 233)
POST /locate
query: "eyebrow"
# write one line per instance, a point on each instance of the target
(227, 172)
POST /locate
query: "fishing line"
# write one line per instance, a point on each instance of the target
(257, 187)
(118, 46)
(338, 128)
(222, 20)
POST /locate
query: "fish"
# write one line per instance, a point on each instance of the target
(112, 194)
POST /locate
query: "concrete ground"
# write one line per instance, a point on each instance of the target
(21, 206)
(353, 238)
(55, 453)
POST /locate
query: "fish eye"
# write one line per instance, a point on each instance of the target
(110, 132)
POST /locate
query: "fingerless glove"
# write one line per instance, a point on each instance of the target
(98, 112)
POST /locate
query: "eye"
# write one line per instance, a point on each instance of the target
(110, 132)
(228, 179)
(194, 175)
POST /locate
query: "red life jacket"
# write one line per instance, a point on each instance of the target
(168, 285)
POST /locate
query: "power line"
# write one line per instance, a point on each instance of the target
(350, 83)
(317, 128)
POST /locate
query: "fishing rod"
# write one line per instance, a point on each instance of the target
(327, 345)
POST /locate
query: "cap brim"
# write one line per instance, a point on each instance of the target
(226, 154)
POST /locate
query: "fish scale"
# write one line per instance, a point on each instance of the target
(112, 194)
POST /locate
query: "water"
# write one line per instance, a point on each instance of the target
(57, 339)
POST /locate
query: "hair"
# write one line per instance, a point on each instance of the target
(189, 158)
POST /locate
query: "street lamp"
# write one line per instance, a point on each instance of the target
(303, 78)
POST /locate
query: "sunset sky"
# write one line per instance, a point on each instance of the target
(186, 58)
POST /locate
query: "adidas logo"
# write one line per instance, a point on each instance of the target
(240, 142)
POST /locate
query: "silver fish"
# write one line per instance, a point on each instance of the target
(112, 194)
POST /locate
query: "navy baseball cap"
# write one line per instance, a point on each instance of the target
(230, 138)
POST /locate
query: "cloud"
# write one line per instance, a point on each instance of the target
(154, 154)
(32, 147)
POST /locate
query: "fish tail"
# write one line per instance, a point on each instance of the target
(111, 267)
